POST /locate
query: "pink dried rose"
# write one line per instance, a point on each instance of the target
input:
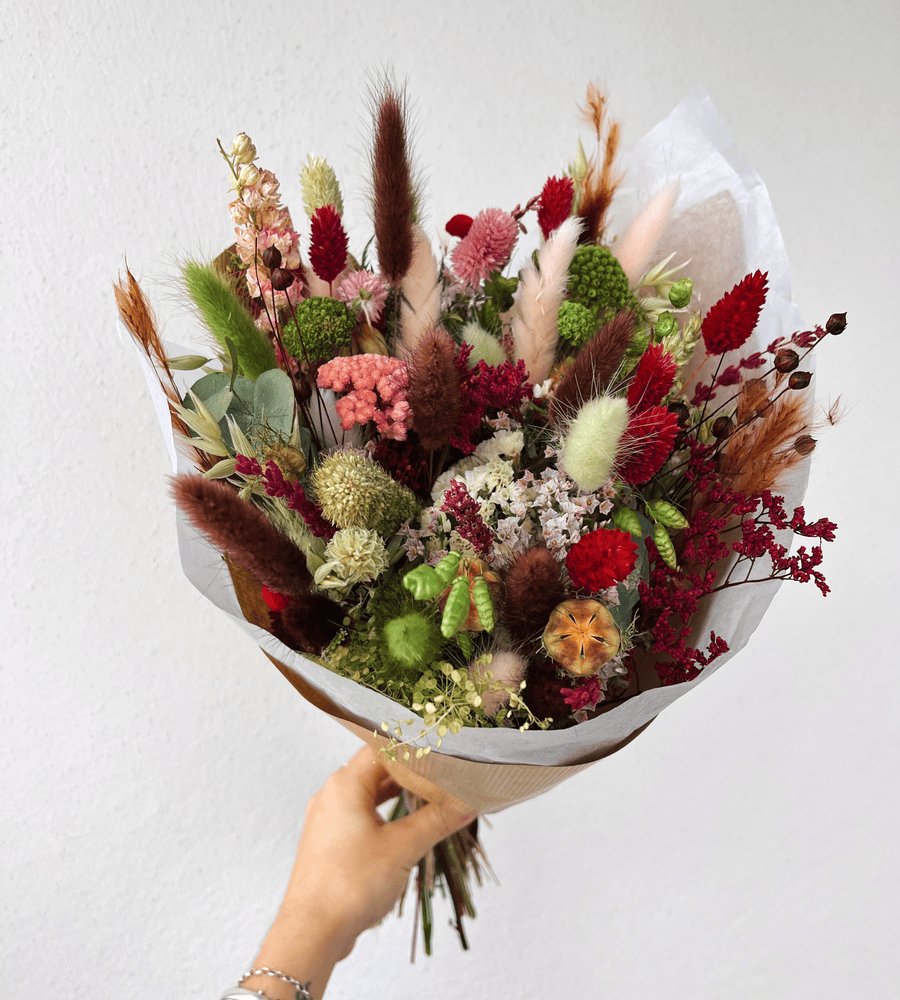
(365, 293)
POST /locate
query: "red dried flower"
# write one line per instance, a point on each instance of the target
(729, 323)
(555, 204)
(601, 558)
(327, 243)
(459, 225)
(276, 601)
(647, 443)
(653, 378)
(467, 513)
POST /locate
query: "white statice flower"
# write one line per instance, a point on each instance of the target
(354, 555)
(541, 389)
(503, 444)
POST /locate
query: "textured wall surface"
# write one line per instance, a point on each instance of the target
(155, 766)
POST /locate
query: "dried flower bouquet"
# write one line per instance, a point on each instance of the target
(504, 513)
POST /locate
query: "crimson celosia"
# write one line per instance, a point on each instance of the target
(653, 378)
(729, 323)
(327, 243)
(459, 225)
(647, 443)
(555, 204)
(601, 558)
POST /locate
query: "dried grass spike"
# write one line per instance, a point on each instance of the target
(393, 195)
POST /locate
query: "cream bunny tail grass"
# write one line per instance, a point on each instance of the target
(420, 310)
(538, 298)
(638, 243)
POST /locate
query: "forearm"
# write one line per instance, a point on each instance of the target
(299, 946)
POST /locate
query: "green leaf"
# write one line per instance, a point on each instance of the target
(273, 401)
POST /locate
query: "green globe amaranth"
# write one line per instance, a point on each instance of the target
(577, 324)
(355, 492)
(319, 329)
(597, 282)
(411, 642)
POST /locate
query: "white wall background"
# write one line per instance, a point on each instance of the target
(155, 766)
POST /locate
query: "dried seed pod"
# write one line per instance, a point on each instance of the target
(282, 279)
(664, 546)
(271, 258)
(722, 427)
(836, 324)
(800, 380)
(805, 445)
(581, 636)
(786, 360)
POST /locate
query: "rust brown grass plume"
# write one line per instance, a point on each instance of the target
(600, 181)
(139, 319)
(593, 368)
(244, 533)
(534, 587)
(392, 184)
(757, 455)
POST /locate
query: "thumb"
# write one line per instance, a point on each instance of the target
(417, 833)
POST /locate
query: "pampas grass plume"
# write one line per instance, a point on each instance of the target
(225, 317)
(639, 241)
(420, 309)
(538, 298)
(590, 446)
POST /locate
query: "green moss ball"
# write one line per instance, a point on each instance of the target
(320, 329)
(577, 323)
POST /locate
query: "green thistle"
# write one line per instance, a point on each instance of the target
(577, 323)
(597, 282)
(319, 329)
(355, 492)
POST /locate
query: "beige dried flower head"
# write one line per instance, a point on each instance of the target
(320, 186)
(354, 555)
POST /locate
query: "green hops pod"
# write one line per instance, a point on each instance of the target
(680, 293)
(665, 513)
(423, 582)
(484, 603)
(456, 609)
(666, 325)
(625, 519)
(447, 568)
(664, 546)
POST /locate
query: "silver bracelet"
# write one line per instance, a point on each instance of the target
(301, 991)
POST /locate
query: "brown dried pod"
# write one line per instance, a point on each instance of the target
(581, 636)
(786, 360)
(800, 380)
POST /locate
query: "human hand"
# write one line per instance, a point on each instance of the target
(350, 870)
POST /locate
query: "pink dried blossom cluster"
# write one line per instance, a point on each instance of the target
(365, 293)
(486, 247)
(262, 222)
(378, 392)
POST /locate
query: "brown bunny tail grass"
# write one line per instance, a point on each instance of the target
(534, 587)
(757, 455)
(139, 319)
(433, 390)
(393, 194)
(308, 623)
(244, 533)
(594, 367)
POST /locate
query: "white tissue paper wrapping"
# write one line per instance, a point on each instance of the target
(724, 223)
